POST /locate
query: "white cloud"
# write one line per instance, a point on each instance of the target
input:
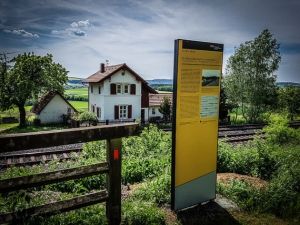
(22, 32)
(74, 29)
(71, 31)
(85, 23)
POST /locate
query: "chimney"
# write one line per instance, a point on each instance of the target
(102, 70)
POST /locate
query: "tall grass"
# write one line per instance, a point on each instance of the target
(276, 159)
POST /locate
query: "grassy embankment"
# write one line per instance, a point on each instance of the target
(146, 164)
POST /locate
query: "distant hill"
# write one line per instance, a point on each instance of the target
(160, 81)
(282, 84)
(75, 82)
(78, 82)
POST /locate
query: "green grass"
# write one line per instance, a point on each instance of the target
(5, 126)
(79, 105)
(147, 158)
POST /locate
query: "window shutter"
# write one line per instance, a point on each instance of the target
(113, 89)
(116, 112)
(129, 111)
(98, 112)
(132, 89)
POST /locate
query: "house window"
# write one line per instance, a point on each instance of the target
(91, 88)
(123, 112)
(119, 88)
(126, 88)
(153, 111)
(93, 108)
(98, 112)
(99, 90)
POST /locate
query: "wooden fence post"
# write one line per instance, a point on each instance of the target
(113, 180)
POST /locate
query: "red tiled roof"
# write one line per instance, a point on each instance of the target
(156, 99)
(111, 70)
(41, 104)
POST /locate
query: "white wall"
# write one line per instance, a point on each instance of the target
(53, 111)
(157, 113)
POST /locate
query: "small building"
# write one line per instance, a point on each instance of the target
(118, 93)
(155, 101)
(52, 108)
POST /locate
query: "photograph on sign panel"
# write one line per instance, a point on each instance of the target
(210, 77)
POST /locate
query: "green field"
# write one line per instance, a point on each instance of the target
(77, 94)
(77, 91)
(79, 105)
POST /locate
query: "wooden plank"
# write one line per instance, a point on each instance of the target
(15, 142)
(18, 183)
(56, 207)
(32, 158)
(113, 180)
(44, 157)
(65, 155)
(54, 156)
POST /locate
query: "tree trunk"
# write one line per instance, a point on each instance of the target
(22, 122)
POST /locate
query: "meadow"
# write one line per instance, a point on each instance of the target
(146, 168)
(79, 94)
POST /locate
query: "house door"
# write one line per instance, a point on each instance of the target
(143, 116)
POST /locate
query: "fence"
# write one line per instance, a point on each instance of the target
(111, 195)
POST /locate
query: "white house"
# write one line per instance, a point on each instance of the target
(155, 101)
(118, 93)
(51, 108)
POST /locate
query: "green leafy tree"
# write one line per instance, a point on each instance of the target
(250, 82)
(289, 100)
(27, 76)
(165, 108)
(224, 106)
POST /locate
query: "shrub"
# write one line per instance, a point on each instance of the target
(36, 122)
(279, 132)
(89, 117)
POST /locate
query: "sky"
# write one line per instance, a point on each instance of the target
(81, 34)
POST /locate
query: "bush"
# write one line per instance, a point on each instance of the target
(0, 119)
(89, 117)
(36, 122)
(279, 132)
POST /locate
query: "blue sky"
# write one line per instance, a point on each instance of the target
(82, 34)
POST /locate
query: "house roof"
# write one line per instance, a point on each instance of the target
(41, 104)
(111, 70)
(156, 99)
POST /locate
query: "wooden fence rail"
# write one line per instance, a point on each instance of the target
(111, 195)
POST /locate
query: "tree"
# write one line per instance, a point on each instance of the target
(289, 100)
(27, 76)
(224, 106)
(165, 108)
(250, 82)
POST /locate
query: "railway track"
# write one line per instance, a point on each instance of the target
(37, 157)
(232, 134)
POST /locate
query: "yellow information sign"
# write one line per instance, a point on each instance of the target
(196, 85)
